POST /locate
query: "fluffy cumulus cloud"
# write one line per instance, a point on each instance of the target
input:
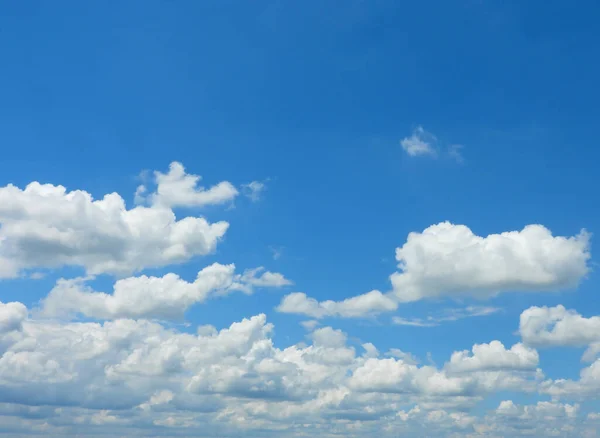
(177, 188)
(493, 357)
(123, 376)
(587, 386)
(166, 297)
(557, 326)
(448, 315)
(450, 261)
(544, 418)
(369, 303)
(46, 226)
(420, 142)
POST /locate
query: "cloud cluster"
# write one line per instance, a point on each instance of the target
(126, 374)
(111, 363)
(46, 226)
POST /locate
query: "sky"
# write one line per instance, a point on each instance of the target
(293, 219)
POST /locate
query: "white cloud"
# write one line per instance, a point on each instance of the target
(591, 353)
(254, 190)
(124, 377)
(277, 252)
(265, 279)
(176, 188)
(557, 326)
(397, 376)
(420, 142)
(359, 306)
(455, 153)
(541, 419)
(328, 337)
(166, 297)
(448, 315)
(540, 410)
(413, 322)
(588, 384)
(47, 226)
(310, 325)
(450, 260)
(447, 260)
(12, 316)
(493, 357)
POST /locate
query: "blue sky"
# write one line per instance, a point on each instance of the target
(312, 100)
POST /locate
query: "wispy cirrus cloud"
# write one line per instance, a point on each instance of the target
(448, 315)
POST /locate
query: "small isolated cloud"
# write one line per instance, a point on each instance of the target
(177, 188)
(254, 190)
(420, 142)
(276, 251)
(448, 315)
(310, 325)
(455, 152)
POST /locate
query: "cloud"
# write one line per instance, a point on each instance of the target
(265, 279)
(395, 376)
(446, 316)
(540, 410)
(541, 419)
(254, 190)
(129, 375)
(176, 188)
(413, 322)
(166, 297)
(12, 316)
(420, 142)
(557, 326)
(450, 261)
(46, 226)
(123, 373)
(359, 306)
(404, 356)
(310, 325)
(493, 357)
(587, 386)
(276, 251)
